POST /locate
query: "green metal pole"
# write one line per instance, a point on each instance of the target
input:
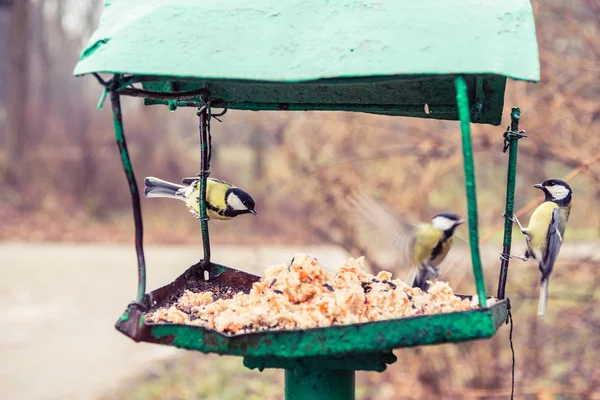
(319, 385)
(204, 172)
(135, 194)
(513, 145)
(462, 100)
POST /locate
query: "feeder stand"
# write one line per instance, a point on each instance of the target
(346, 57)
(314, 377)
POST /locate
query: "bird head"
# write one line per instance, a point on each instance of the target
(446, 221)
(556, 190)
(240, 201)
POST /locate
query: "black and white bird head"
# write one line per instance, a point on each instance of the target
(446, 221)
(240, 201)
(556, 191)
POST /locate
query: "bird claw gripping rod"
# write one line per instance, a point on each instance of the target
(511, 141)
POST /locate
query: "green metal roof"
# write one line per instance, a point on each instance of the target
(282, 41)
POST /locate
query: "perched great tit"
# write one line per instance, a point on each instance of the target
(223, 200)
(424, 246)
(545, 233)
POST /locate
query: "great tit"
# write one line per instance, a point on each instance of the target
(223, 200)
(423, 246)
(546, 230)
(432, 242)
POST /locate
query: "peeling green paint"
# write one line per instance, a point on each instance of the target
(133, 189)
(391, 96)
(124, 317)
(340, 340)
(347, 56)
(320, 385)
(374, 361)
(305, 40)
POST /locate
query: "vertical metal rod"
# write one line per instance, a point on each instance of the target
(462, 100)
(515, 116)
(135, 194)
(320, 385)
(204, 172)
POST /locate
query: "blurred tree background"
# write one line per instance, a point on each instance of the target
(60, 167)
(61, 180)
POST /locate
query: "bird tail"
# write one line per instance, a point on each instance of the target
(418, 278)
(412, 276)
(543, 298)
(154, 187)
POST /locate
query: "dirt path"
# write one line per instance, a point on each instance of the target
(58, 340)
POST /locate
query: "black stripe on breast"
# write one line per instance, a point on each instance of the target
(438, 248)
(215, 209)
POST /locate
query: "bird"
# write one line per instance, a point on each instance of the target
(223, 200)
(432, 242)
(546, 230)
(423, 245)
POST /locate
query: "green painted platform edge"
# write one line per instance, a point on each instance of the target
(356, 338)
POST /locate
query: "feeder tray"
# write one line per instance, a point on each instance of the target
(334, 341)
(440, 59)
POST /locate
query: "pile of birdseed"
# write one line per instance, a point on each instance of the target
(302, 295)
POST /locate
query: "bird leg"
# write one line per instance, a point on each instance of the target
(506, 257)
(434, 273)
(515, 219)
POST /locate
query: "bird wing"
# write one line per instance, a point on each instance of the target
(189, 181)
(385, 226)
(220, 181)
(554, 240)
(382, 223)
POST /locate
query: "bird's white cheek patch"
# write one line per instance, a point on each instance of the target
(235, 202)
(558, 192)
(442, 223)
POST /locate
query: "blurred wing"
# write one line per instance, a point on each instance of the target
(382, 224)
(459, 241)
(554, 240)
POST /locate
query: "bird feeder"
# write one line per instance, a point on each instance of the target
(440, 59)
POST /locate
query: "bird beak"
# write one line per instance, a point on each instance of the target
(460, 222)
(252, 211)
(538, 185)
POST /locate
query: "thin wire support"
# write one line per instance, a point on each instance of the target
(462, 100)
(509, 319)
(135, 195)
(511, 141)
